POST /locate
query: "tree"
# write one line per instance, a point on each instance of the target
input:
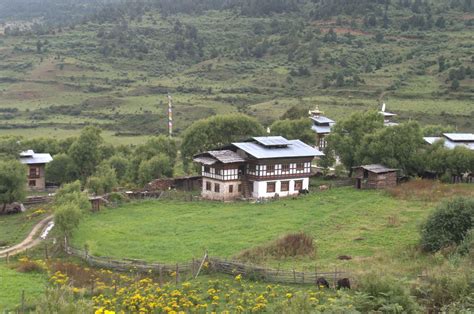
(71, 193)
(441, 63)
(85, 151)
(155, 168)
(67, 217)
(455, 84)
(120, 164)
(12, 182)
(103, 181)
(294, 129)
(217, 131)
(395, 147)
(347, 135)
(295, 112)
(10, 147)
(448, 225)
(436, 130)
(61, 169)
(460, 160)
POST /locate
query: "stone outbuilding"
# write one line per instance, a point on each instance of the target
(375, 177)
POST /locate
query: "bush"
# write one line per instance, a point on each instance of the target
(448, 225)
(384, 294)
(446, 288)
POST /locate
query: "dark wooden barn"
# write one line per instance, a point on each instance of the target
(375, 177)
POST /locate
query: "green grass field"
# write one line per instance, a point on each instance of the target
(13, 283)
(14, 228)
(177, 231)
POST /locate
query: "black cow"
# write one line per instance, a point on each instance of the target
(321, 282)
(303, 191)
(343, 283)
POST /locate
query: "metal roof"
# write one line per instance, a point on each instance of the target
(223, 156)
(296, 148)
(29, 157)
(460, 137)
(322, 119)
(387, 114)
(376, 168)
(272, 140)
(389, 123)
(321, 129)
(448, 143)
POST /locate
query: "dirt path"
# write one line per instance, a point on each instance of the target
(30, 241)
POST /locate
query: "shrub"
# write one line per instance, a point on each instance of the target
(26, 265)
(62, 300)
(448, 225)
(384, 294)
(294, 244)
(446, 289)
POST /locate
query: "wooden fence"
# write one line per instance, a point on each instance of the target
(211, 265)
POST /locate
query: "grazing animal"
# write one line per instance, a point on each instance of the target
(321, 282)
(323, 187)
(303, 191)
(343, 283)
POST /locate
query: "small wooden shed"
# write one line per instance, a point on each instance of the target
(375, 177)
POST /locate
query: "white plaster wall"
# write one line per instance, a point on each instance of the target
(260, 188)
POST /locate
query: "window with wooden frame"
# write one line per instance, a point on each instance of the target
(270, 168)
(285, 186)
(208, 186)
(231, 188)
(239, 188)
(285, 167)
(207, 169)
(300, 166)
(217, 187)
(271, 187)
(32, 183)
(34, 172)
(298, 185)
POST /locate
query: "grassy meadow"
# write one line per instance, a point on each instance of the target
(14, 228)
(370, 226)
(87, 74)
(13, 283)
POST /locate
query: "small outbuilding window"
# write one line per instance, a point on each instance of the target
(217, 187)
(231, 188)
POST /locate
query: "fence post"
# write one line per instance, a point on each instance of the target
(335, 277)
(177, 273)
(46, 257)
(8, 258)
(22, 301)
(192, 268)
(294, 275)
(302, 274)
(161, 275)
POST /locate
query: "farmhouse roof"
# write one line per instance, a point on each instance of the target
(321, 129)
(452, 140)
(29, 157)
(293, 148)
(322, 119)
(376, 168)
(460, 137)
(213, 156)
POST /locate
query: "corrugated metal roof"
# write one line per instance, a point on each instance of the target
(448, 143)
(322, 119)
(321, 129)
(272, 140)
(387, 114)
(388, 123)
(460, 137)
(376, 168)
(296, 148)
(30, 158)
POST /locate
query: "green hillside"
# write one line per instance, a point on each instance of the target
(115, 67)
